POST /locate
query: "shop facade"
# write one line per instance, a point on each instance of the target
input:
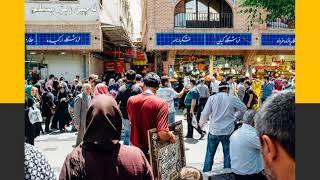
(209, 37)
(74, 38)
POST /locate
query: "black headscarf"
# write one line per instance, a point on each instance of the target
(103, 124)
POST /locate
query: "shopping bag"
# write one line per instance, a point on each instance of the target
(34, 115)
(194, 121)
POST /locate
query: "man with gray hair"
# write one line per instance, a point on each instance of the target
(275, 124)
(81, 106)
(246, 160)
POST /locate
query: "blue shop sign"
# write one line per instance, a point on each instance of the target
(203, 39)
(286, 40)
(58, 39)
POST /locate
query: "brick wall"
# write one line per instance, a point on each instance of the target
(94, 29)
(160, 18)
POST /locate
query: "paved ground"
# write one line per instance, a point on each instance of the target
(57, 145)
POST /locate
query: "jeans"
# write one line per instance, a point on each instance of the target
(126, 129)
(171, 118)
(213, 142)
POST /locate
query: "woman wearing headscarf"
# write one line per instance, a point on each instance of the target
(100, 156)
(100, 89)
(47, 106)
(30, 101)
(62, 114)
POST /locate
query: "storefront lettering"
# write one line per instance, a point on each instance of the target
(288, 41)
(280, 61)
(228, 39)
(204, 39)
(54, 39)
(29, 40)
(184, 39)
(63, 10)
(67, 39)
(284, 40)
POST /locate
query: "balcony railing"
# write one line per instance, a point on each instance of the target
(281, 24)
(204, 20)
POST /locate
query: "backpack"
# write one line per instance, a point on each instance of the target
(255, 99)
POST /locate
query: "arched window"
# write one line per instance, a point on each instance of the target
(203, 14)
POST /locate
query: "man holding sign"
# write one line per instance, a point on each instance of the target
(147, 111)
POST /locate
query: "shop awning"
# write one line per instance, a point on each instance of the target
(116, 35)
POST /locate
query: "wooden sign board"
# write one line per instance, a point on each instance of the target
(167, 159)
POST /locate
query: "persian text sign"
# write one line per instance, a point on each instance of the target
(286, 40)
(204, 39)
(58, 39)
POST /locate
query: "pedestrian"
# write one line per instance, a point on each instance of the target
(100, 89)
(81, 106)
(139, 81)
(38, 127)
(91, 78)
(147, 111)
(100, 155)
(204, 95)
(50, 81)
(62, 114)
(241, 89)
(267, 88)
(245, 156)
(48, 107)
(250, 98)
(55, 88)
(275, 124)
(168, 94)
(125, 92)
(191, 102)
(233, 85)
(214, 85)
(30, 100)
(286, 85)
(95, 82)
(221, 108)
(36, 165)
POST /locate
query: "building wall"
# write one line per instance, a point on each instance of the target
(57, 11)
(96, 67)
(68, 65)
(159, 18)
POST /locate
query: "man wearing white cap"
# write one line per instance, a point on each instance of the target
(222, 107)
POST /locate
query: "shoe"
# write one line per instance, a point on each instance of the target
(202, 135)
(189, 137)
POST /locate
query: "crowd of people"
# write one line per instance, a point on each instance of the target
(247, 116)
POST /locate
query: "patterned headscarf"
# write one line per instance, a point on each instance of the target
(100, 89)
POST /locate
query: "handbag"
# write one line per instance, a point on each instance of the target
(34, 115)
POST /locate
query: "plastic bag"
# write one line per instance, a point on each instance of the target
(34, 115)
(194, 121)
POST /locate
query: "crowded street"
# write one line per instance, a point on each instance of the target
(159, 90)
(57, 145)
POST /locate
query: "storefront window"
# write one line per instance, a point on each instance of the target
(191, 65)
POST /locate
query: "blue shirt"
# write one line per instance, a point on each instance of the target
(245, 151)
(168, 95)
(222, 107)
(267, 90)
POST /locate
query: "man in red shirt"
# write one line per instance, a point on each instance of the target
(147, 111)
